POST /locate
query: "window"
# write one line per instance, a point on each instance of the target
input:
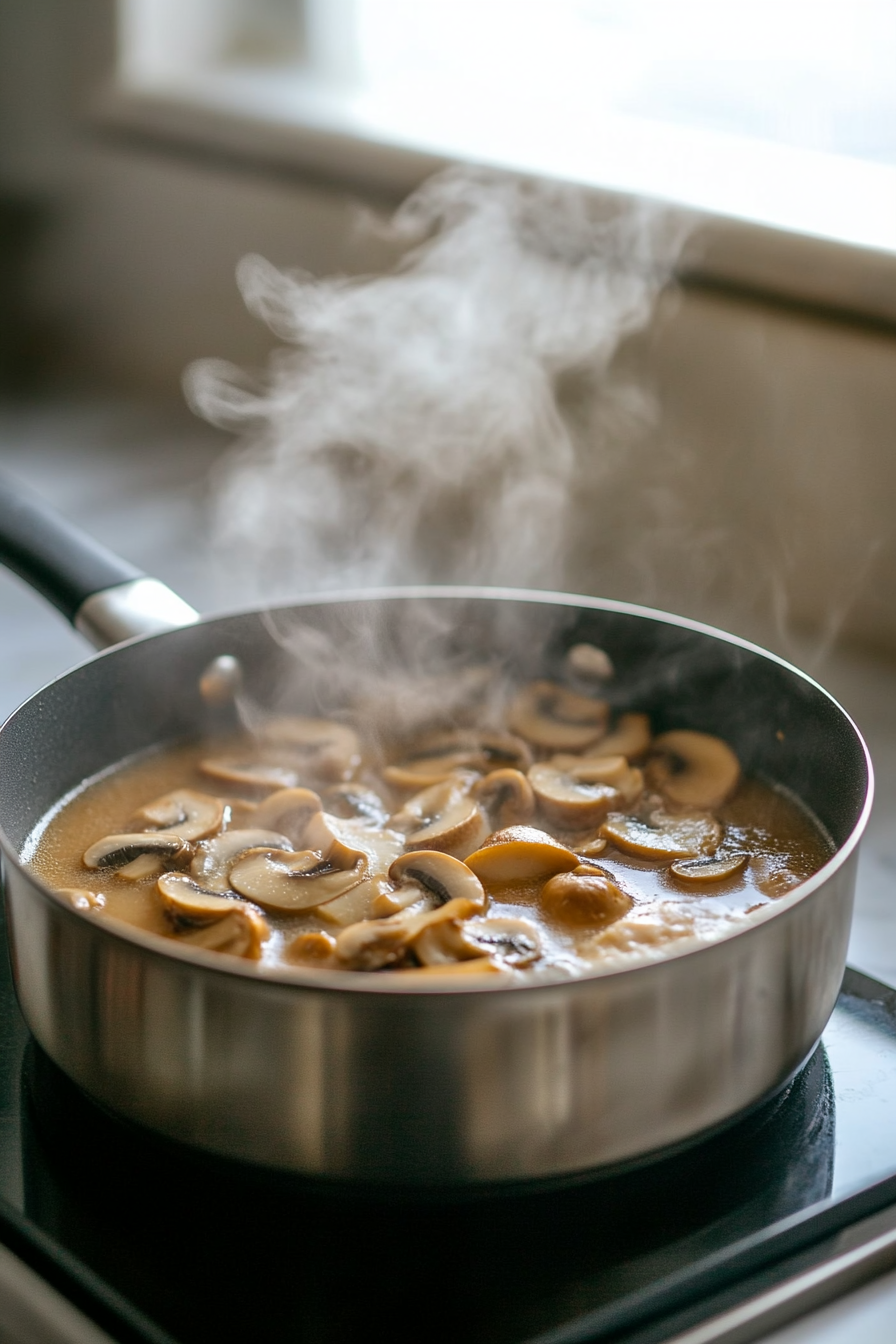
(779, 113)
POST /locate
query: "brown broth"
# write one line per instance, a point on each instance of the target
(784, 843)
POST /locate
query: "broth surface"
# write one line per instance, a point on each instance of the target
(590, 902)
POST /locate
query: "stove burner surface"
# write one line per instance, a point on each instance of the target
(211, 1250)
(216, 1252)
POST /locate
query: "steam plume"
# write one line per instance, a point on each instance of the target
(419, 426)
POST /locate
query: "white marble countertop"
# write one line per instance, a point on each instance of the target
(134, 477)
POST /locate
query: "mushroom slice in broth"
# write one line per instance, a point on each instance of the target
(115, 851)
(587, 660)
(267, 770)
(321, 748)
(709, 869)
(194, 913)
(630, 738)
(287, 811)
(516, 942)
(214, 858)
(444, 877)
(663, 836)
(320, 834)
(290, 882)
(584, 898)
(443, 817)
(374, 944)
(185, 812)
(188, 904)
(507, 797)
(391, 900)
(312, 948)
(428, 771)
(554, 718)
(240, 934)
(576, 794)
(141, 868)
(356, 802)
(693, 769)
(368, 899)
(521, 853)
(443, 754)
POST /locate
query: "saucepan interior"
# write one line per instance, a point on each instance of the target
(783, 726)
(435, 1087)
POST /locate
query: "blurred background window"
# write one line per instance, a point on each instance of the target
(809, 73)
(777, 111)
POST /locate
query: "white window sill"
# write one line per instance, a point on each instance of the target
(802, 225)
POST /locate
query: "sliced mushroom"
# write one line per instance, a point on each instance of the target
(506, 796)
(709, 870)
(515, 942)
(590, 661)
(392, 900)
(520, 853)
(265, 770)
(240, 934)
(355, 801)
(443, 817)
(374, 944)
(579, 793)
(504, 751)
(184, 812)
(189, 905)
(239, 814)
(114, 851)
(81, 899)
(214, 858)
(489, 748)
(204, 919)
(314, 948)
(286, 881)
(321, 748)
(442, 876)
(663, 836)
(424, 772)
(629, 738)
(693, 769)
(287, 811)
(320, 835)
(440, 754)
(584, 899)
(591, 848)
(358, 903)
(556, 719)
(139, 869)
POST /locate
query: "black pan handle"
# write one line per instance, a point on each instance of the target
(108, 599)
(53, 556)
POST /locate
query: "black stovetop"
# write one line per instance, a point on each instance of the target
(150, 1237)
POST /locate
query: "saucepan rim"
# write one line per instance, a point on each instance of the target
(296, 979)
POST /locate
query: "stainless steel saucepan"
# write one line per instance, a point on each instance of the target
(361, 1077)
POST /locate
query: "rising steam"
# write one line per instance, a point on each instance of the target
(426, 425)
